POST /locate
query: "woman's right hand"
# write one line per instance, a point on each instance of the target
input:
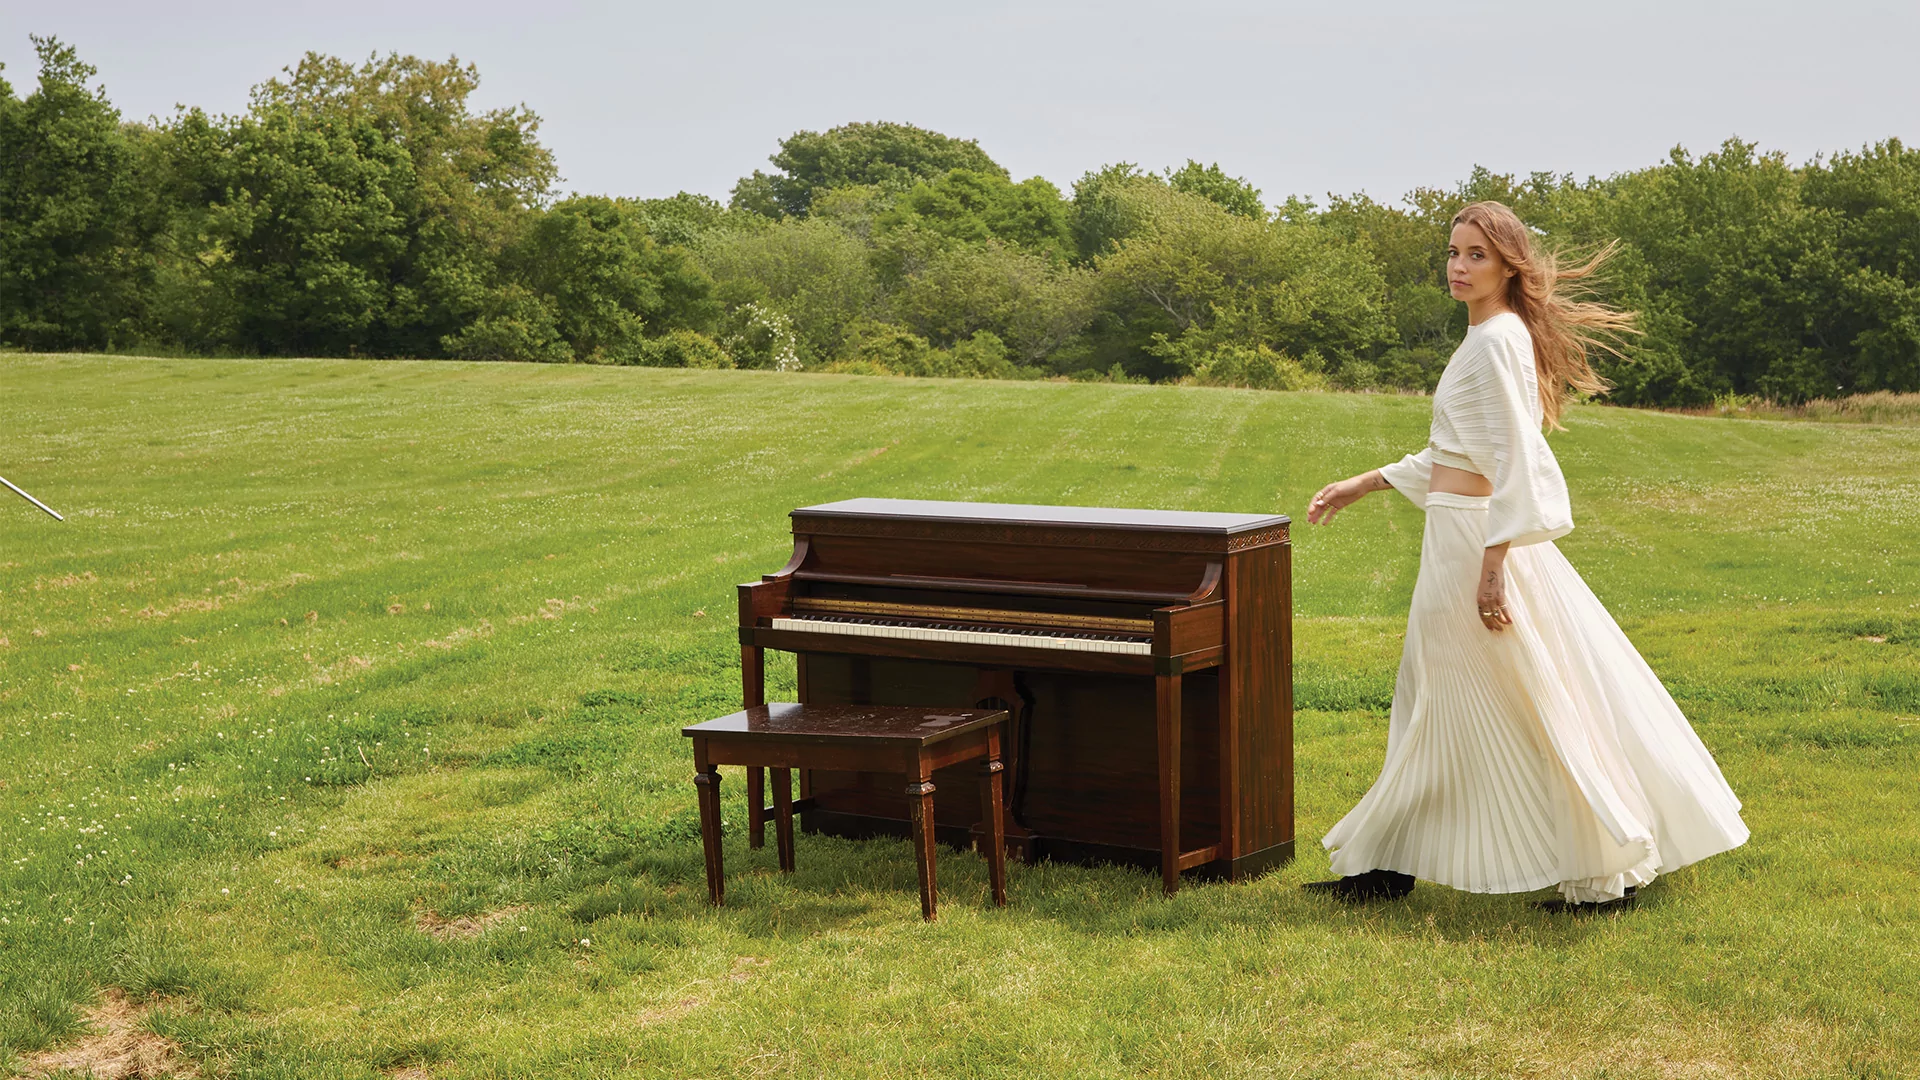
(1341, 494)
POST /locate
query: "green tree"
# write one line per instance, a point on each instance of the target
(1109, 206)
(1231, 193)
(810, 277)
(1409, 247)
(1727, 247)
(966, 207)
(681, 219)
(308, 234)
(473, 178)
(353, 209)
(517, 324)
(607, 283)
(1033, 305)
(1197, 279)
(1869, 205)
(69, 272)
(890, 156)
(857, 210)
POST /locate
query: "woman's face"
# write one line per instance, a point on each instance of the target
(1476, 273)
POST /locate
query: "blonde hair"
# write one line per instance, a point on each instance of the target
(1564, 324)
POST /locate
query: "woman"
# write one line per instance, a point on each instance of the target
(1529, 744)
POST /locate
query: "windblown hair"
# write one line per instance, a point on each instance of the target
(1553, 301)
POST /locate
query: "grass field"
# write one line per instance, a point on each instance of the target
(339, 736)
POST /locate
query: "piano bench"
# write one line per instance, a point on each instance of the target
(858, 738)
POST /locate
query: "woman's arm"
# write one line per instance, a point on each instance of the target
(1409, 476)
(1341, 494)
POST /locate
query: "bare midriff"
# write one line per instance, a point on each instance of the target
(1454, 481)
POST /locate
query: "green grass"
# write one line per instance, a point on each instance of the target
(325, 645)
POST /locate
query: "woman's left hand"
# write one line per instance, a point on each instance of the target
(1491, 598)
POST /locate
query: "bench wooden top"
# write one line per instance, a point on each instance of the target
(786, 722)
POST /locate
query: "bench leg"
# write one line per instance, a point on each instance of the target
(783, 817)
(756, 807)
(920, 796)
(707, 778)
(994, 806)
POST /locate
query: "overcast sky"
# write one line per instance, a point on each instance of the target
(648, 99)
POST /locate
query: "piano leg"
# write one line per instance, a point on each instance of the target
(999, 688)
(1167, 709)
(707, 778)
(993, 807)
(1229, 784)
(920, 797)
(783, 817)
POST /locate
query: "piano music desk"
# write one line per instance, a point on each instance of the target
(867, 738)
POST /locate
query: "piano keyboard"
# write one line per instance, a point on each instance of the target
(1071, 641)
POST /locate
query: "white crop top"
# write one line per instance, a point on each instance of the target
(1486, 420)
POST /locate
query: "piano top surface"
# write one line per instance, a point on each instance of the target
(1093, 517)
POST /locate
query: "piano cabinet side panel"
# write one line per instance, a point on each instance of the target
(1091, 773)
(1260, 656)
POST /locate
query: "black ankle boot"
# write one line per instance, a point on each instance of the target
(1561, 906)
(1372, 885)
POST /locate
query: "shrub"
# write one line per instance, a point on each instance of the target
(1255, 367)
(761, 336)
(520, 326)
(856, 367)
(1412, 369)
(888, 348)
(982, 356)
(884, 349)
(683, 349)
(814, 272)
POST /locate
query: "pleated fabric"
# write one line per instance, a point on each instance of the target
(1544, 755)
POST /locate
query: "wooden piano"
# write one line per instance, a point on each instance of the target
(1146, 657)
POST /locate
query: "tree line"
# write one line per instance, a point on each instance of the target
(368, 210)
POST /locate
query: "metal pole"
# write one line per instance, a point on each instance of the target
(31, 499)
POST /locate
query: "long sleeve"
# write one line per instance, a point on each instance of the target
(1411, 476)
(1497, 419)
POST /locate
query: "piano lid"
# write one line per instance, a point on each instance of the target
(1200, 522)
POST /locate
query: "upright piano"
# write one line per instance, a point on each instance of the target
(1146, 657)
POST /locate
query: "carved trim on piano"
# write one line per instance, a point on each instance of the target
(1276, 535)
(1053, 536)
(1210, 584)
(794, 562)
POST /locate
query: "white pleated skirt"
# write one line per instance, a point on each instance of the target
(1545, 754)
